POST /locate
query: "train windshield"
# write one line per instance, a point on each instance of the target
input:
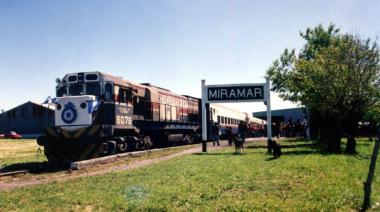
(93, 89)
(61, 91)
(80, 89)
(76, 90)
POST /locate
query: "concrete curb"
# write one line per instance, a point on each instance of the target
(111, 158)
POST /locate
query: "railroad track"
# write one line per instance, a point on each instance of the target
(13, 173)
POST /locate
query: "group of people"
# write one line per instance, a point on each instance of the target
(279, 129)
(242, 133)
(290, 129)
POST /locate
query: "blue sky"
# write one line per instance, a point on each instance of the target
(173, 44)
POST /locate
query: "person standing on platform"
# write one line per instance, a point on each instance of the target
(242, 129)
(215, 133)
(229, 135)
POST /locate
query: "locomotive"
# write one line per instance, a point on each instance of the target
(97, 113)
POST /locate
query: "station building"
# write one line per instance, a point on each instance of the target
(28, 119)
(283, 115)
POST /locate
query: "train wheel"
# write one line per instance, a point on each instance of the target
(147, 142)
(122, 147)
(188, 139)
(112, 147)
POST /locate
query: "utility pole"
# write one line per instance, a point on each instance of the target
(371, 172)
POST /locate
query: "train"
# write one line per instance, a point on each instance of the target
(98, 114)
(227, 117)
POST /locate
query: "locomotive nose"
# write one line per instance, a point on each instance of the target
(74, 111)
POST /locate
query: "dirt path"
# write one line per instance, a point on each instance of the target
(17, 182)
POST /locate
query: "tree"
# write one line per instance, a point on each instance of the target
(336, 76)
(372, 115)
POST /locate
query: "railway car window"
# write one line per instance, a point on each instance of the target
(128, 94)
(76, 90)
(93, 89)
(61, 91)
(121, 97)
(72, 79)
(108, 91)
(219, 119)
(91, 77)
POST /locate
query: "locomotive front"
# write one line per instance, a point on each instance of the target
(85, 117)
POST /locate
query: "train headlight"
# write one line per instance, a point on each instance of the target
(83, 105)
(59, 106)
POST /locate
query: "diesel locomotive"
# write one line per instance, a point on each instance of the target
(97, 114)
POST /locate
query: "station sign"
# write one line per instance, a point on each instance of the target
(235, 93)
(225, 93)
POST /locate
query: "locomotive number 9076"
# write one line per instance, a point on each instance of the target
(123, 120)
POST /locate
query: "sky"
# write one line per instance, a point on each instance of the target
(173, 44)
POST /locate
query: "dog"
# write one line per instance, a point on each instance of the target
(276, 149)
(239, 145)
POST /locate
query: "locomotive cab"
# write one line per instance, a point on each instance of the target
(78, 97)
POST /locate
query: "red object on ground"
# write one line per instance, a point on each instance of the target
(12, 135)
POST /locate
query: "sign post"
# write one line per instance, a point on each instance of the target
(258, 92)
(204, 121)
(269, 114)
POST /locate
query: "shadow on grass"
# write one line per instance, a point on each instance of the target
(311, 145)
(300, 152)
(272, 158)
(362, 157)
(221, 153)
(33, 167)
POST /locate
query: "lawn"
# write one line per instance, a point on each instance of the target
(27, 154)
(20, 151)
(302, 179)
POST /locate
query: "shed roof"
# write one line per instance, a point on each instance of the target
(49, 106)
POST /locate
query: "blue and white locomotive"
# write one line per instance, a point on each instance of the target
(97, 114)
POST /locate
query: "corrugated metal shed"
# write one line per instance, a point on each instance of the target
(28, 119)
(284, 115)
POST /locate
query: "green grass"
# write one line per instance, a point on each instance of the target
(302, 179)
(26, 154)
(20, 151)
